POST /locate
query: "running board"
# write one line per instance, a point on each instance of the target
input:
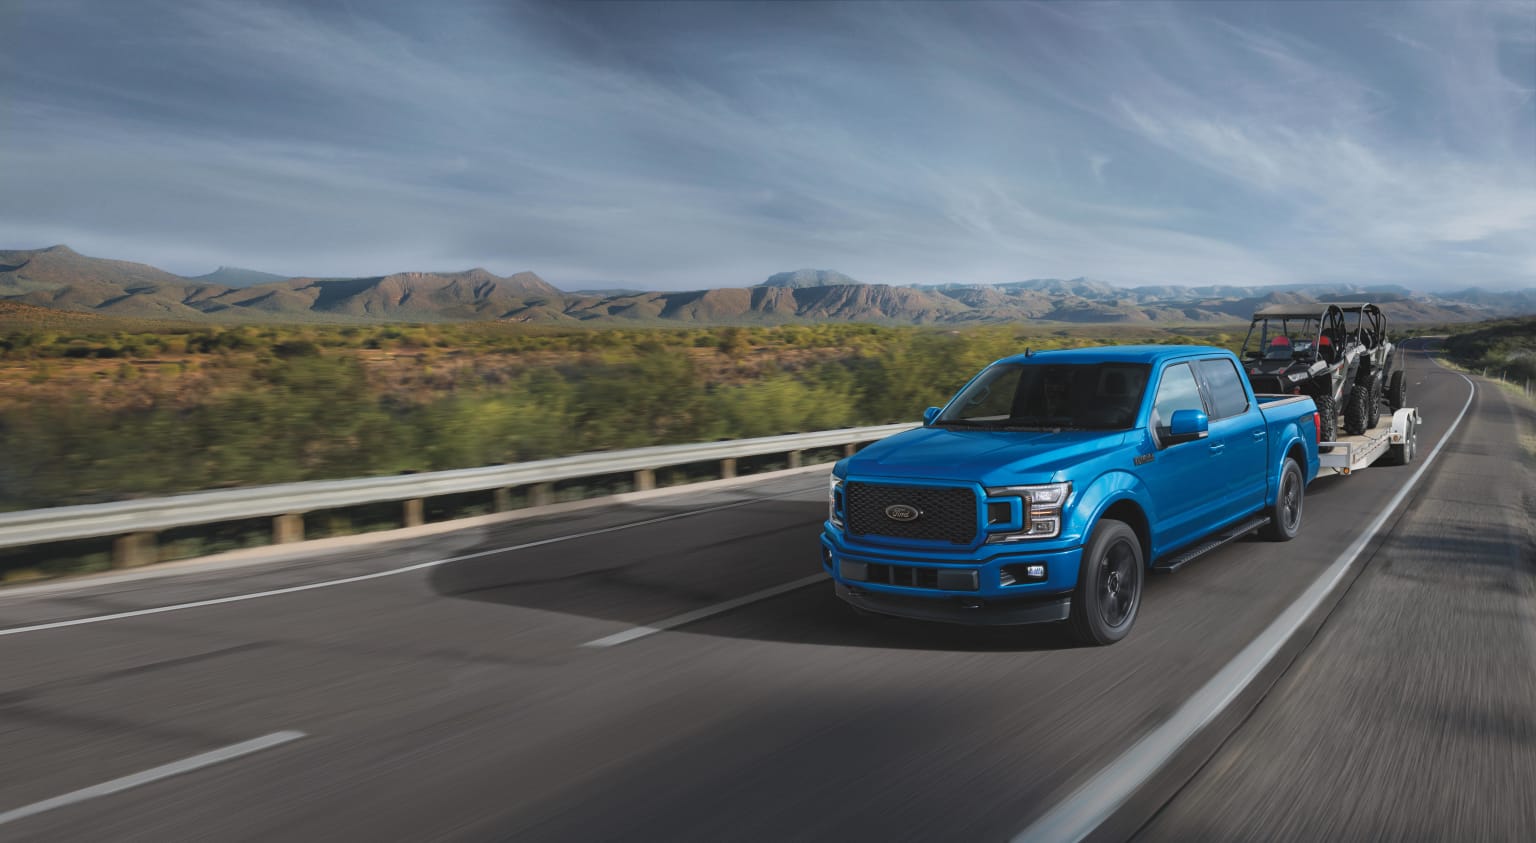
(1236, 531)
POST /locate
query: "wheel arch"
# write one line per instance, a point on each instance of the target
(1127, 511)
(1118, 495)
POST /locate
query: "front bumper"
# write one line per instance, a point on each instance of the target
(964, 610)
(953, 586)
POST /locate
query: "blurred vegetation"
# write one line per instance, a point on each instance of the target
(1506, 346)
(94, 414)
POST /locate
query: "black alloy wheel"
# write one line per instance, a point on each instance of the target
(1285, 514)
(1108, 593)
(1117, 584)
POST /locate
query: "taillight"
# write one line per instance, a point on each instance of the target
(1317, 423)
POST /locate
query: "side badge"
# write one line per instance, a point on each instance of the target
(1143, 459)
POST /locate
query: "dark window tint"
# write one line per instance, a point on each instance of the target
(1228, 398)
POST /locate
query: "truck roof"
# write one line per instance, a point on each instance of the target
(1114, 354)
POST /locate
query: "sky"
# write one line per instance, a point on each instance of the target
(710, 144)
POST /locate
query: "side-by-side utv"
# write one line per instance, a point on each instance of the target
(1339, 354)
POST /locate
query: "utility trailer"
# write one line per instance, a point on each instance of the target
(1396, 438)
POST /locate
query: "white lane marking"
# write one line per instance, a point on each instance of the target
(1092, 804)
(392, 571)
(699, 614)
(165, 771)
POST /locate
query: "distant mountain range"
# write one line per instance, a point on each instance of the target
(58, 277)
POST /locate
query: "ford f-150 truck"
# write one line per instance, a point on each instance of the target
(1049, 486)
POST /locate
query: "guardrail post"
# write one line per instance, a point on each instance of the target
(727, 468)
(795, 458)
(133, 550)
(502, 500)
(288, 528)
(542, 494)
(850, 449)
(645, 480)
(415, 512)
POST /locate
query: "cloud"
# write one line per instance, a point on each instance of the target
(690, 145)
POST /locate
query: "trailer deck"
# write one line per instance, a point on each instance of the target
(1353, 453)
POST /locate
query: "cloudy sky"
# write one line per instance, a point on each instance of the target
(675, 146)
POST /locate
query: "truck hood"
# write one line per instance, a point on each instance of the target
(989, 457)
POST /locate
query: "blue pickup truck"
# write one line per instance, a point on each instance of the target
(1053, 482)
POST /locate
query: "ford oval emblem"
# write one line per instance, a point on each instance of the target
(903, 512)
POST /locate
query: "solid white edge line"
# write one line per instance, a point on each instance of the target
(699, 614)
(1092, 804)
(390, 572)
(153, 774)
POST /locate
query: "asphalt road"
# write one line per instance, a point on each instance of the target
(461, 700)
(1412, 715)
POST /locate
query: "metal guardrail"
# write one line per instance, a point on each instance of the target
(135, 522)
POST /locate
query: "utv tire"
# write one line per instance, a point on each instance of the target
(1328, 414)
(1373, 414)
(1357, 408)
(1397, 391)
(1285, 513)
(1108, 592)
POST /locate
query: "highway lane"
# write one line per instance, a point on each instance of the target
(457, 701)
(1411, 716)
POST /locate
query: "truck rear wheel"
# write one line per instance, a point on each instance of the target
(1285, 512)
(1357, 408)
(1108, 593)
(1397, 391)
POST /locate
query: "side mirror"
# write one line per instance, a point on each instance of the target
(1187, 426)
(930, 414)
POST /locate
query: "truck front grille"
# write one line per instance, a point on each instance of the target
(945, 513)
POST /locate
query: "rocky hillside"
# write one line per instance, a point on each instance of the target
(60, 278)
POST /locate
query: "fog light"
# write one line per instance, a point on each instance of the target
(1035, 571)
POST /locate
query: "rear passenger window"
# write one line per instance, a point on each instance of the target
(1228, 398)
(1178, 391)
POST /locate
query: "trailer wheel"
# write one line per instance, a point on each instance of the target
(1404, 453)
(1108, 592)
(1397, 391)
(1357, 409)
(1285, 513)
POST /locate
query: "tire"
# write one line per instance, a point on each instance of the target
(1373, 413)
(1357, 408)
(1285, 513)
(1109, 582)
(1328, 414)
(1397, 391)
(1403, 454)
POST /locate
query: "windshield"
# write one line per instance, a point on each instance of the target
(1024, 396)
(1283, 339)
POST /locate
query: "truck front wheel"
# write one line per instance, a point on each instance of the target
(1108, 592)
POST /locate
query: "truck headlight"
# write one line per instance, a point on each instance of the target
(1040, 507)
(835, 501)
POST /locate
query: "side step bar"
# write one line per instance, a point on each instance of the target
(1236, 531)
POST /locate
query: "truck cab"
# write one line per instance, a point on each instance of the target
(1053, 482)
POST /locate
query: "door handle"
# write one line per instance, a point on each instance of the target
(1216, 447)
(1258, 435)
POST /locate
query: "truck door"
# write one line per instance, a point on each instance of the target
(1239, 432)
(1186, 482)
